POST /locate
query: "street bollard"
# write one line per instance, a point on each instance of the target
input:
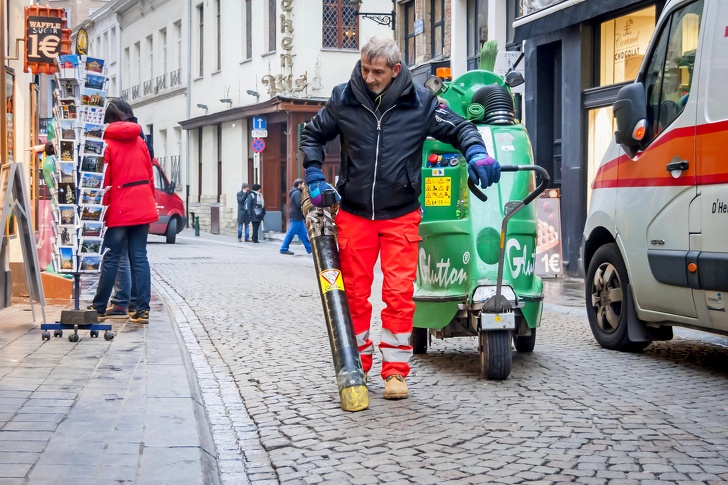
(196, 225)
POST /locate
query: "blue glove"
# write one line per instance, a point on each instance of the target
(481, 167)
(317, 186)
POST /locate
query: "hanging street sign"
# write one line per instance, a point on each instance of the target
(258, 145)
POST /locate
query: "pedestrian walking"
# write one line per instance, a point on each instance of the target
(255, 207)
(129, 198)
(296, 226)
(382, 119)
(243, 218)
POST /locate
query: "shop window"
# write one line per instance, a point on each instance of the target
(339, 25)
(410, 55)
(623, 45)
(668, 77)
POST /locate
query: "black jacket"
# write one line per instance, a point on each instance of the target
(381, 154)
(254, 199)
(295, 213)
(242, 213)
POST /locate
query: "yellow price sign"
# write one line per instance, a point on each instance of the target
(438, 191)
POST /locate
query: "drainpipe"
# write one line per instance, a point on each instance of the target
(188, 108)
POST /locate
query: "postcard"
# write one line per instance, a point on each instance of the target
(66, 193)
(68, 66)
(92, 196)
(66, 259)
(92, 212)
(93, 147)
(92, 163)
(67, 214)
(91, 229)
(91, 180)
(91, 245)
(91, 114)
(90, 262)
(66, 235)
(68, 151)
(95, 82)
(68, 88)
(66, 172)
(94, 65)
(66, 129)
(67, 109)
(93, 97)
(91, 130)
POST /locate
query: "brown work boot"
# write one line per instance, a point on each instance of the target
(395, 387)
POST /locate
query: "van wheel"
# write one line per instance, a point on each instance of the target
(606, 301)
(418, 340)
(171, 233)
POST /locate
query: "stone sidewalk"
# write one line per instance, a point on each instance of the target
(96, 412)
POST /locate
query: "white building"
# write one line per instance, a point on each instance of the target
(145, 44)
(278, 59)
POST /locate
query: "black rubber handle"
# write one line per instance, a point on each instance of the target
(328, 198)
(681, 165)
(541, 173)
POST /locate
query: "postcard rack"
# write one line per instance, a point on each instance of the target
(77, 195)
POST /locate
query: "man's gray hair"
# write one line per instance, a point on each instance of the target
(245, 185)
(380, 46)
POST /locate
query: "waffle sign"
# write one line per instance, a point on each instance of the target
(46, 37)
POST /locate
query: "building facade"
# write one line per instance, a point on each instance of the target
(275, 61)
(578, 55)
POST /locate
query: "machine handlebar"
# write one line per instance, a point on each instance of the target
(541, 173)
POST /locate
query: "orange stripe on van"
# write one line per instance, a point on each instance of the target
(649, 167)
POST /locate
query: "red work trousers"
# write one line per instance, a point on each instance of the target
(396, 241)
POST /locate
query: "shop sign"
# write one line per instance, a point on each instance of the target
(283, 83)
(548, 239)
(82, 42)
(45, 38)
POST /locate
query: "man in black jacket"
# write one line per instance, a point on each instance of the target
(296, 226)
(382, 120)
(243, 219)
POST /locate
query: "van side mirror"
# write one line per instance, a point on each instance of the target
(172, 186)
(514, 78)
(630, 110)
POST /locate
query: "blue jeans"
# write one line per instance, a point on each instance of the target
(240, 231)
(116, 239)
(296, 228)
(124, 292)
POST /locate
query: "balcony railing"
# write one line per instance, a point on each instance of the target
(148, 87)
(175, 77)
(531, 6)
(136, 91)
(125, 94)
(161, 83)
(176, 171)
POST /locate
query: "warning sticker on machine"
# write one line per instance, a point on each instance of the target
(331, 280)
(438, 191)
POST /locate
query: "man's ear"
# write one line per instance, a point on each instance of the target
(396, 69)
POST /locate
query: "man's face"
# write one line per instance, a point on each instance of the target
(377, 75)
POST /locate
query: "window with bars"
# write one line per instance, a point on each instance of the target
(437, 19)
(340, 25)
(410, 51)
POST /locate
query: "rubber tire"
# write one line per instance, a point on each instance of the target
(608, 336)
(418, 340)
(171, 233)
(495, 354)
(525, 343)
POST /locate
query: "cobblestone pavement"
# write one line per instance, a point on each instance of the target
(570, 412)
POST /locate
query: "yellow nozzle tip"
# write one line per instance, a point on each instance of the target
(354, 398)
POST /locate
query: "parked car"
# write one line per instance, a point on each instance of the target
(655, 251)
(171, 208)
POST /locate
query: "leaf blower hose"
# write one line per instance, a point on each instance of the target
(321, 230)
(496, 103)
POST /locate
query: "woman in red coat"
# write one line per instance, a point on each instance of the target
(129, 198)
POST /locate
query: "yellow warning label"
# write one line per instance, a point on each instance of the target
(331, 280)
(438, 191)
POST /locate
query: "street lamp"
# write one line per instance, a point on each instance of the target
(378, 17)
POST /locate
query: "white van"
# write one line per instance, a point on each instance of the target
(655, 249)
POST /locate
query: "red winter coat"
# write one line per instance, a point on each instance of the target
(129, 180)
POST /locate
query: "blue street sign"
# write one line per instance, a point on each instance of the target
(258, 145)
(260, 123)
